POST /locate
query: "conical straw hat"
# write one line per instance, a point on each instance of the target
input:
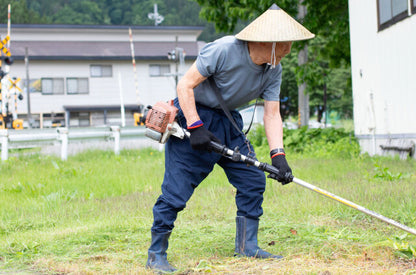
(274, 25)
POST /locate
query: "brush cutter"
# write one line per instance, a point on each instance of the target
(161, 124)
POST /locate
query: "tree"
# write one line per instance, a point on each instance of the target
(79, 12)
(288, 89)
(327, 19)
(21, 14)
(227, 14)
(121, 12)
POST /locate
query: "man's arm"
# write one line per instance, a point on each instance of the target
(273, 124)
(274, 132)
(185, 90)
(201, 137)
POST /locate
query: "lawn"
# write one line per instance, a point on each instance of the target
(92, 214)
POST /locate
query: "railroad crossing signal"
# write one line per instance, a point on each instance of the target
(3, 46)
(14, 83)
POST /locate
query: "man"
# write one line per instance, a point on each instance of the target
(240, 68)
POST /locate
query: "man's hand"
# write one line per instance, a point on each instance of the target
(201, 138)
(279, 161)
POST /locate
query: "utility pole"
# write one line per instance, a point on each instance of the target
(29, 114)
(303, 97)
(176, 62)
(155, 16)
(133, 61)
(177, 55)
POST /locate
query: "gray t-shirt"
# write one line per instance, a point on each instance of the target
(238, 79)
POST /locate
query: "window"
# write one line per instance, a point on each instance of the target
(414, 6)
(84, 119)
(52, 86)
(53, 120)
(77, 86)
(159, 70)
(34, 84)
(79, 119)
(101, 70)
(391, 12)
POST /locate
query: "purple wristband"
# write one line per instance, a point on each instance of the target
(196, 124)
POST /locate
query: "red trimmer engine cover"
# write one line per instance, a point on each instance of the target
(160, 115)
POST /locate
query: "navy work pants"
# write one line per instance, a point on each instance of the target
(186, 168)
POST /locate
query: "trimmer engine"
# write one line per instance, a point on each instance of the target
(160, 122)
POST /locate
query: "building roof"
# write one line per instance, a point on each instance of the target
(91, 108)
(120, 27)
(103, 50)
(100, 42)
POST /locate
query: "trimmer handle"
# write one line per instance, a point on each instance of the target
(273, 170)
(236, 156)
(218, 148)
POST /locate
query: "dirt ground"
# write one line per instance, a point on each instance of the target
(312, 266)
(361, 264)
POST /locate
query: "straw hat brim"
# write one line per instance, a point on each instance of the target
(274, 25)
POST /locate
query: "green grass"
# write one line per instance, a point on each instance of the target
(92, 215)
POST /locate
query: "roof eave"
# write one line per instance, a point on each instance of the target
(75, 58)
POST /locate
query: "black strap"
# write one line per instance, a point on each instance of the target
(224, 106)
(252, 117)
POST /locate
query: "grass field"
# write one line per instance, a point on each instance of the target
(92, 215)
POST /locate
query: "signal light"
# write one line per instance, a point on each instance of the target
(8, 60)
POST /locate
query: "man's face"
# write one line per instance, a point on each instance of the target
(262, 52)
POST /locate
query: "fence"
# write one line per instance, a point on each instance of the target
(20, 139)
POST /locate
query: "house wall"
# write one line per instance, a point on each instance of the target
(103, 91)
(383, 67)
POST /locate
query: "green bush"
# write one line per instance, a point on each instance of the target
(326, 142)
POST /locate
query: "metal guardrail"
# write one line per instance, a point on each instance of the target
(29, 138)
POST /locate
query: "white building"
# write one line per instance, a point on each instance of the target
(77, 71)
(383, 64)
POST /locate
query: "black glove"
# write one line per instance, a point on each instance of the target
(285, 173)
(201, 138)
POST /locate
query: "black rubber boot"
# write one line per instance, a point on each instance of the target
(246, 239)
(157, 257)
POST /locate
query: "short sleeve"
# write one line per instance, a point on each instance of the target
(209, 59)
